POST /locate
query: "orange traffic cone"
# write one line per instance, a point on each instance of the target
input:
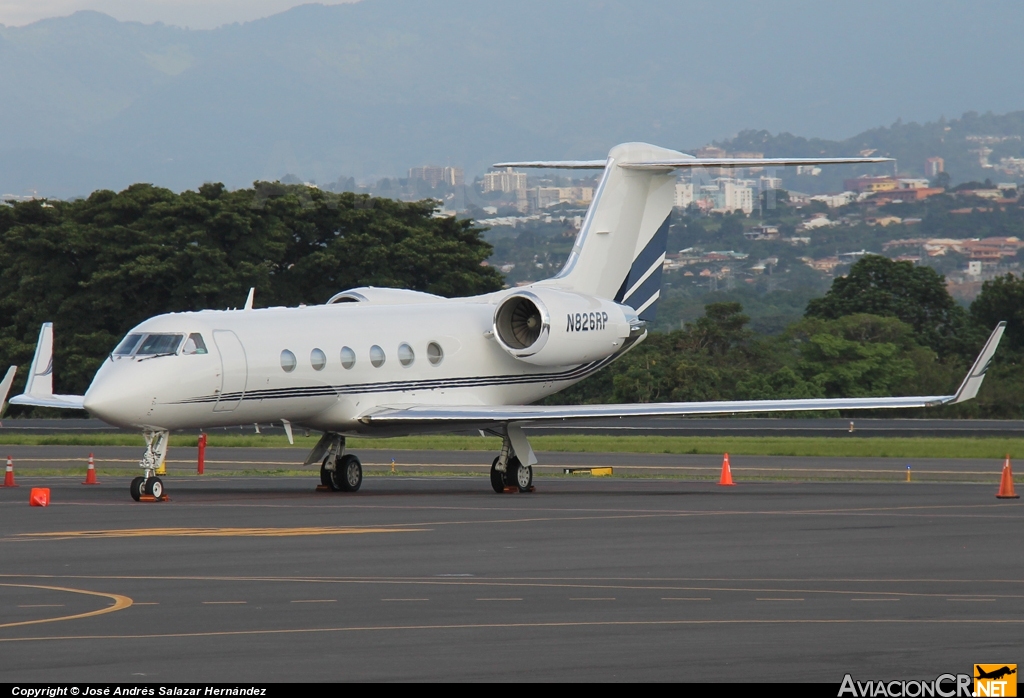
(9, 475)
(726, 473)
(1006, 483)
(39, 497)
(90, 473)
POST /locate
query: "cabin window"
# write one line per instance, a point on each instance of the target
(159, 344)
(127, 345)
(288, 361)
(406, 355)
(318, 358)
(194, 345)
(348, 357)
(377, 357)
(435, 355)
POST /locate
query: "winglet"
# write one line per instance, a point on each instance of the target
(40, 374)
(972, 383)
(5, 388)
(248, 300)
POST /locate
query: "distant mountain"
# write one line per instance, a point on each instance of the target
(372, 88)
(974, 147)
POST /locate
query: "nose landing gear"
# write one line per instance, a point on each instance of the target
(149, 487)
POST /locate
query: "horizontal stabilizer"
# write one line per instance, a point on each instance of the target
(39, 387)
(557, 164)
(5, 388)
(691, 163)
(476, 416)
(728, 163)
(60, 402)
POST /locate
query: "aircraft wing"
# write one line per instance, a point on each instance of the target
(481, 416)
(39, 388)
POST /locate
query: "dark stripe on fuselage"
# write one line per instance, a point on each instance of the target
(578, 372)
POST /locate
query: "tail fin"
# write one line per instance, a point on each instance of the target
(620, 248)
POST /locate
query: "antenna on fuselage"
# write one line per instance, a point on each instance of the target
(248, 301)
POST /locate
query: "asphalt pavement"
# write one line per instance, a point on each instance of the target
(648, 426)
(250, 578)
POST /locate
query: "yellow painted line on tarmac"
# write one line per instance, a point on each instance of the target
(41, 605)
(213, 532)
(777, 599)
(509, 598)
(685, 598)
(970, 599)
(405, 599)
(146, 603)
(874, 599)
(591, 598)
(551, 624)
(120, 602)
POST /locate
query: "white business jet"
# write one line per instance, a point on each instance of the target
(387, 362)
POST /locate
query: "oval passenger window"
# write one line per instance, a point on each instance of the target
(435, 354)
(318, 359)
(288, 361)
(377, 357)
(406, 355)
(348, 357)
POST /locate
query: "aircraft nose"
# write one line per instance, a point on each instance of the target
(107, 399)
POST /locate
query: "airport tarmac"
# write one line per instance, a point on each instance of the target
(256, 460)
(250, 578)
(646, 426)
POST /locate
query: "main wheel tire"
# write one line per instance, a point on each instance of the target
(325, 475)
(136, 488)
(523, 477)
(348, 474)
(155, 487)
(497, 478)
(511, 468)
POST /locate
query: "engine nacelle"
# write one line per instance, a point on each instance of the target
(548, 327)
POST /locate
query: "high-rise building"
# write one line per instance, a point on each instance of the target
(684, 194)
(933, 166)
(504, 180)
(434, 176)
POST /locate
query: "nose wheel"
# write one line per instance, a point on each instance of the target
(150, 489)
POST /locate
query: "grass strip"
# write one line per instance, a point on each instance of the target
(820, 446)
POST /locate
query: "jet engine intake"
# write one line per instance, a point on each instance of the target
(547, 327)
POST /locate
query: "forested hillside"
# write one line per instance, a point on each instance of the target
(98, 266)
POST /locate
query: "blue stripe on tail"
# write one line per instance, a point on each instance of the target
(651, 288)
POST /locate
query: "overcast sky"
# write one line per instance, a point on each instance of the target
(197, 14)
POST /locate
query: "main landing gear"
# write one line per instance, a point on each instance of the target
(340, 472)
(508, 473)
(149, 486)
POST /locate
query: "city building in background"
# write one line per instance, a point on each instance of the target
(436, 176)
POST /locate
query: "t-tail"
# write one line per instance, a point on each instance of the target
(621, 246)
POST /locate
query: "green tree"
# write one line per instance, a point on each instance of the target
(98, 266)
(1002, 299)
(877, 285)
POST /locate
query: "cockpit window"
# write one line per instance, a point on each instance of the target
(159, 344)
(194, 345)
(127, 345)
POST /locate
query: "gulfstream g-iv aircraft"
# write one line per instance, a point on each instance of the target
(388, 362)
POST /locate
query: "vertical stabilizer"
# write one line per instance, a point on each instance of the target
(40, 374)
(620, 248)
